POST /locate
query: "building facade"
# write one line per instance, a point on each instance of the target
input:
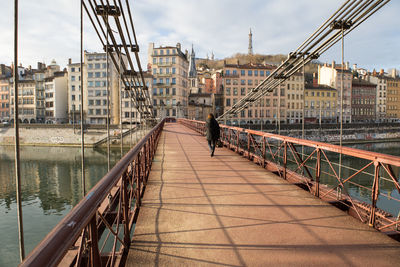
(129, 111)
(363, 97)
(320, 103)
(95, 79)
(331, 75)
(393, 99)
(5, 99)
(169, 67)
(381, 95)
(56, 97)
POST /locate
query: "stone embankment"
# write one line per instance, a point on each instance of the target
(59, 135)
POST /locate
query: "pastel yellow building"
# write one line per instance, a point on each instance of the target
(320, 103)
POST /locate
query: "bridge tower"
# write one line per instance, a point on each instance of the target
(250, 52)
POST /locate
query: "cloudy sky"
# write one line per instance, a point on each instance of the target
(49, 29)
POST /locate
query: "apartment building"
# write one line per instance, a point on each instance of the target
(331, 75)
(393, 98)
(169, 67)
(363, 97)
(381, 94)
(320, 103)
(94, 89)
(5, 99)
(56, 97)
(129, 111)
(294, 98)
(238, 80)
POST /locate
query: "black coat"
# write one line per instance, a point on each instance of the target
(212, 129)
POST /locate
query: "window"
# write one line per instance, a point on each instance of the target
(235, 91)
(90, 66)
(98, 111)
(154, 60)
(227, 72)
(173, 70)
(167, 91)
(173, 91)
(91, 102)
(256, 73)
(243, 82)
(73, 97)
(173, 80)
(161, 91)
(98, 93)
(154, 91)
(228, 102)
(261, 73)
(250, 82)
(98, 102)
(154, 71)
(98, 74)
(173, 60)
(242, 91)
(250, 73)
(73, 87)
(90, 84)
(228, 91)
(97, 66)
(72, 78)
(242, 72)
(234, 72)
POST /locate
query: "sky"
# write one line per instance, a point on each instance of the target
(50, 29)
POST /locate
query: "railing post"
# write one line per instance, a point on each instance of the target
(375, 194)
(138, 178)
(284, 159)
(317, 172)
(248, 145)
(126, 211)
(95, 259)
(237, 141)
(263, 150)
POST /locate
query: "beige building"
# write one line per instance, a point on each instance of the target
(94, 89)
(239, 79)
(393, 99)
(169, 67)
(320, 103)
(129, 111)
(331, 75)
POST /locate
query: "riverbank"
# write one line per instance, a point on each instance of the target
(66, 136)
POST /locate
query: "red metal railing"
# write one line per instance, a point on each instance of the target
(315, 165)
(96, 232)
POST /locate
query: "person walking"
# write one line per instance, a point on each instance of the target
(212, 132)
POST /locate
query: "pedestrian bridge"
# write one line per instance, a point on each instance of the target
(257, 202)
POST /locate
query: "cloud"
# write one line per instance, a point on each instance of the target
(50, 29)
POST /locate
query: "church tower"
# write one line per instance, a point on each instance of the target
(192, 74)
(250, 52)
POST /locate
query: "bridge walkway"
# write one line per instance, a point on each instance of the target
(227, 211)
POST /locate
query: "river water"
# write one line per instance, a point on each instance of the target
(51, 187)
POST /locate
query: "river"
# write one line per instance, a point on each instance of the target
(51, 187)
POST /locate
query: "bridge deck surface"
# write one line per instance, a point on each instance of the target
(227, 211)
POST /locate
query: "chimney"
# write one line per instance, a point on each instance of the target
(347, 65)
(69, 61)
(333, 64)
(381, 72)
(394, 73)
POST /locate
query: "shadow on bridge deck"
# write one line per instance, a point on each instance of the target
(227, 211)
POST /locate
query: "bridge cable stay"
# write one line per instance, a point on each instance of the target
(108, 100)
(132, 80)
(83, 178)
(351, 14)
(17, 146)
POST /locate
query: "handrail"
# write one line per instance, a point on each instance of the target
(123, 183)
(278, 153)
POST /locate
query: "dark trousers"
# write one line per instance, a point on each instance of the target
(211, 145)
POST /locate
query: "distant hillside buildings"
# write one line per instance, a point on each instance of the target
(179, 88)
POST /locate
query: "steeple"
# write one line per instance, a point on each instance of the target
(192, 65)
(250, 52)
(192, 73)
